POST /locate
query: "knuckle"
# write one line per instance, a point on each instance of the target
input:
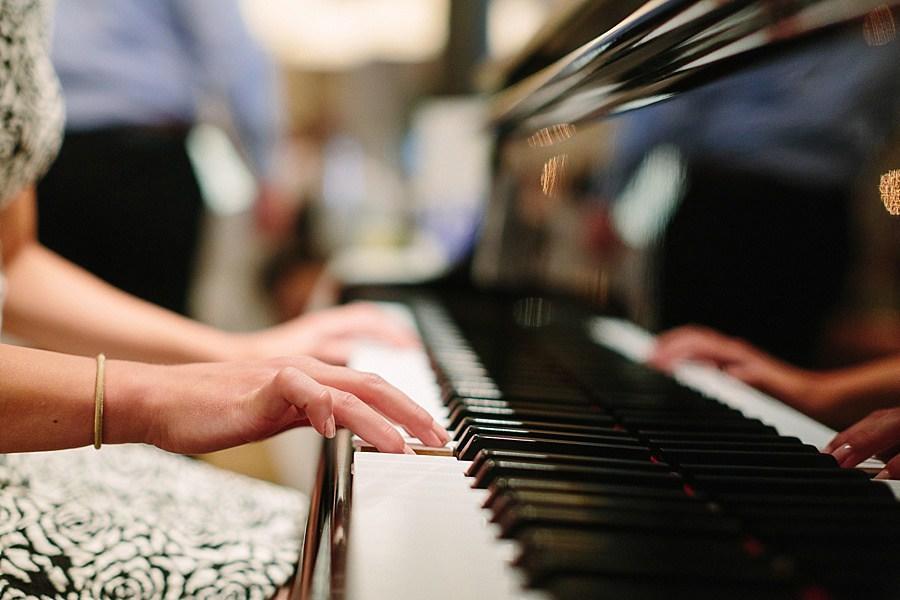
(306, 362)
(322, 398)
(345, 401)
(893, 467)
(393, 440)
(373, 380)
(422, 417)
(286, 377)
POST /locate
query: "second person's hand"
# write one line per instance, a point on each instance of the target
(330, 334)
(800, 388)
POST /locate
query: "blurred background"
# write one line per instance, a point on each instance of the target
(233, 160)
(382, 167)
(332, 142)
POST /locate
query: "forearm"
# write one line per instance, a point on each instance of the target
(47, 400)
(58, 306)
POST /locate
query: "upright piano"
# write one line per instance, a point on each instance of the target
(576, 471)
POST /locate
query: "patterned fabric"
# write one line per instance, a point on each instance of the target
(31, 110)
(136, 522)
(128, 521)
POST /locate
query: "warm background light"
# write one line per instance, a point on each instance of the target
(329, 35)
(890, 191)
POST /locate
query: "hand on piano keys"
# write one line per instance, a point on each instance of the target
(331, 334)
(203, 407)
(876, 435)
(837, 398)
(796, 387)
(646, 490)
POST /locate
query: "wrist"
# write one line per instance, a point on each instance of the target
(128, 413)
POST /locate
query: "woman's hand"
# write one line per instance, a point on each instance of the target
(876, 435)
(205, 407)
(797, 387)
(330, 334)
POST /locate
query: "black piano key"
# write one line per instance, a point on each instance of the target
(678, 437)
(746, 458)
(606, 432)
(612, 587)
(549, 553)
(492, 469)
(503, 485)
(787, 486)
(570, 499)
(847, 532)
(471, 389)
(788, 492)
(573, 417)
(874, 560)
(599, 436)
(507, 402)
(518, 519)
(719, 412)
(778, 472)
(563, 459)
(479, 441)
(544, 392)
(739, 502)
(670, 400)
(699, 424)
(774, 445)
(805, 505)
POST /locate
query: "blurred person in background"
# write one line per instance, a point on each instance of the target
(132, 520)
(122, 199)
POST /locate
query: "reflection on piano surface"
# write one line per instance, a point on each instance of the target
(575, 471)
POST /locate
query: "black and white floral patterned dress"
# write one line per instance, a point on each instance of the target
(127, 521)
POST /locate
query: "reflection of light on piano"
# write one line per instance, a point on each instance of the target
(532, 312)
(890, 191)
(554, 134)
(552, 174)
(879, 27)
(643, 209)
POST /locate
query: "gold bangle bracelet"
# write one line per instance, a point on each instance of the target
(98, 401)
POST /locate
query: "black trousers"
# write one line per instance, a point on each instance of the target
(124, 204)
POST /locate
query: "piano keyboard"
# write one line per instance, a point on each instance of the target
(577, 473)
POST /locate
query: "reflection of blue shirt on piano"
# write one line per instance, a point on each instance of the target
(816, 113)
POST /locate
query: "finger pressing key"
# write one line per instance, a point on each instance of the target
(306, 394)
(365, 422)
(388, 400)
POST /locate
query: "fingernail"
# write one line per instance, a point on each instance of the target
(408, 450)
(329, 428)
(441, 433)
(434, 438)
(842, 453)
(883, 474)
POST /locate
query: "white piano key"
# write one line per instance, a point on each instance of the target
(418, 527)
(409, 544)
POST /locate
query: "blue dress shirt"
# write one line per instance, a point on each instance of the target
(156, 62)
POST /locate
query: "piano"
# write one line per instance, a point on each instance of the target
(575, 470)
